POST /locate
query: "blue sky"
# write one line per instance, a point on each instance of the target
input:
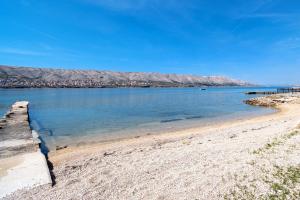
(256, 40)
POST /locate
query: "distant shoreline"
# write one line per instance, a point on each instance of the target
(200, 87)
(28, 77)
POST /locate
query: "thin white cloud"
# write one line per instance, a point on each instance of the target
(21, 52)
(44, 34)
(121, 4)
(138, 5)
(267, 15)
(288, 43)
(250, 12)
(171, 16)
(25, 2)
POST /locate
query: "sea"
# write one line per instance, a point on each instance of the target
(65, 116)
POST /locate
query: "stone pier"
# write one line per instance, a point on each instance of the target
(22, 164)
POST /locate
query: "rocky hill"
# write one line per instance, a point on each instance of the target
(27, 77)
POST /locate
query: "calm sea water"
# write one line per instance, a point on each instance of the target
(67, 116)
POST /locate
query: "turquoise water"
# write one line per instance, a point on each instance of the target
(66, 116)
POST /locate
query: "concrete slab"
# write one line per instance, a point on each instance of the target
(22, 165)
(23, 171)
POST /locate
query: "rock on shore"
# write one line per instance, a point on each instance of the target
(273, 100)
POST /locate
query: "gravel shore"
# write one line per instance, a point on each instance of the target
(256, 158)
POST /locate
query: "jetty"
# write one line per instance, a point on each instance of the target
(22, 164)
(288, 90)
(278, 91)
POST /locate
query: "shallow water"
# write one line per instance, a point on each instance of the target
(64, 116)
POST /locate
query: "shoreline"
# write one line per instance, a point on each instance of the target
(70, 151)
(172, 128)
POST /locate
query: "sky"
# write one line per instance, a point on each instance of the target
(255, 40)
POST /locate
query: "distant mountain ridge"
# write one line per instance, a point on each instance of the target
(28, 77)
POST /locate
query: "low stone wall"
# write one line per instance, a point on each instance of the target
(15, 133)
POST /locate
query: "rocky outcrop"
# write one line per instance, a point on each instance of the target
(273, 100)
(26, 77)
